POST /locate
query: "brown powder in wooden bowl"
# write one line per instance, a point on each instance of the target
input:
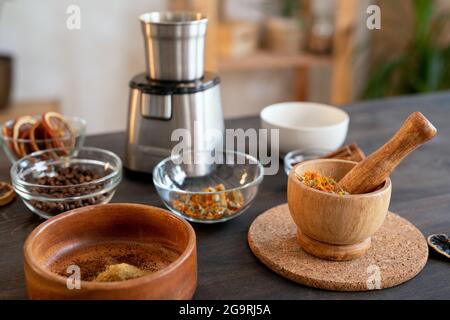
(119, 272)
(116, 260)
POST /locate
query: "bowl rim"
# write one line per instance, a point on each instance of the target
(264, 117)
(254, 182)
(292, 176)
(196, 18)
(119, 285)
(78, 132)
(17, 182)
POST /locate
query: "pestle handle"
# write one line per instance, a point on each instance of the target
(367, 175)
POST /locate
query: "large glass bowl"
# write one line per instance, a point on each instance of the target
(46, 200)
(208, 193)
(27, 146)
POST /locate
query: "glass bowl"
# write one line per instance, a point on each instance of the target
(27, 146)
(296, 156)
(50, 182)
(200, 190)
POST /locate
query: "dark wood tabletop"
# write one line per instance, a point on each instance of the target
(228, 269)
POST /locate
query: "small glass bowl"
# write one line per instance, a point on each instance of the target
(296, 156)
(29, 146)
(47, 200)
(233, 180)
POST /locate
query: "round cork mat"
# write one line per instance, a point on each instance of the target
(399, 252)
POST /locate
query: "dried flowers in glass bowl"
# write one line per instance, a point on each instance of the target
(208, 188)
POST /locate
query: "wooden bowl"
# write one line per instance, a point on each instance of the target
(331, 226)
(64, 238)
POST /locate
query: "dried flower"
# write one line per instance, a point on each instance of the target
(317, 181)
(212, 206)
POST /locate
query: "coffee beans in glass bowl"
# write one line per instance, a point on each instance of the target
(54, 181)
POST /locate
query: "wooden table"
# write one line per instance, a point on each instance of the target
(228, 269)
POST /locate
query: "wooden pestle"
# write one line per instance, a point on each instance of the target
(370, 173)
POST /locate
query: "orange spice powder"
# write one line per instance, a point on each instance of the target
(322, 183)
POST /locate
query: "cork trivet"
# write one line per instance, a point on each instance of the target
(398, 252)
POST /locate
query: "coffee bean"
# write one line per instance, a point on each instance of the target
(73, 176)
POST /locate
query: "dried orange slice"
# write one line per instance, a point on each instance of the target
(58, 128)
(21, 129)
(24, 146)
(37, 136)
(7, 193)
(56, 125)
(8, 128)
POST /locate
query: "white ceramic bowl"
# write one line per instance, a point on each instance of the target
(306, 125)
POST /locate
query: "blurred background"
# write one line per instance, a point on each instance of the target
(266, 51)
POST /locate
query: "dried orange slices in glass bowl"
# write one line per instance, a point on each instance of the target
(50, 130)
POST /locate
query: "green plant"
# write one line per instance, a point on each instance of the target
(289, 8)
(284, 8)
(424, 65)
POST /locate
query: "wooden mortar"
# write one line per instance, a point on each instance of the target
(331, 226)
(337, 227)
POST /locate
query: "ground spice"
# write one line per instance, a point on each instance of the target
(109, 261)
(322, 183)
(210, 206)
(119, 272)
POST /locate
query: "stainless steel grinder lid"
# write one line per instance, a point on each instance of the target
(174, 45)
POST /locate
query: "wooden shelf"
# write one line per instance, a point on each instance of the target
(263, 60)
(341, 61)
(31, 108)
